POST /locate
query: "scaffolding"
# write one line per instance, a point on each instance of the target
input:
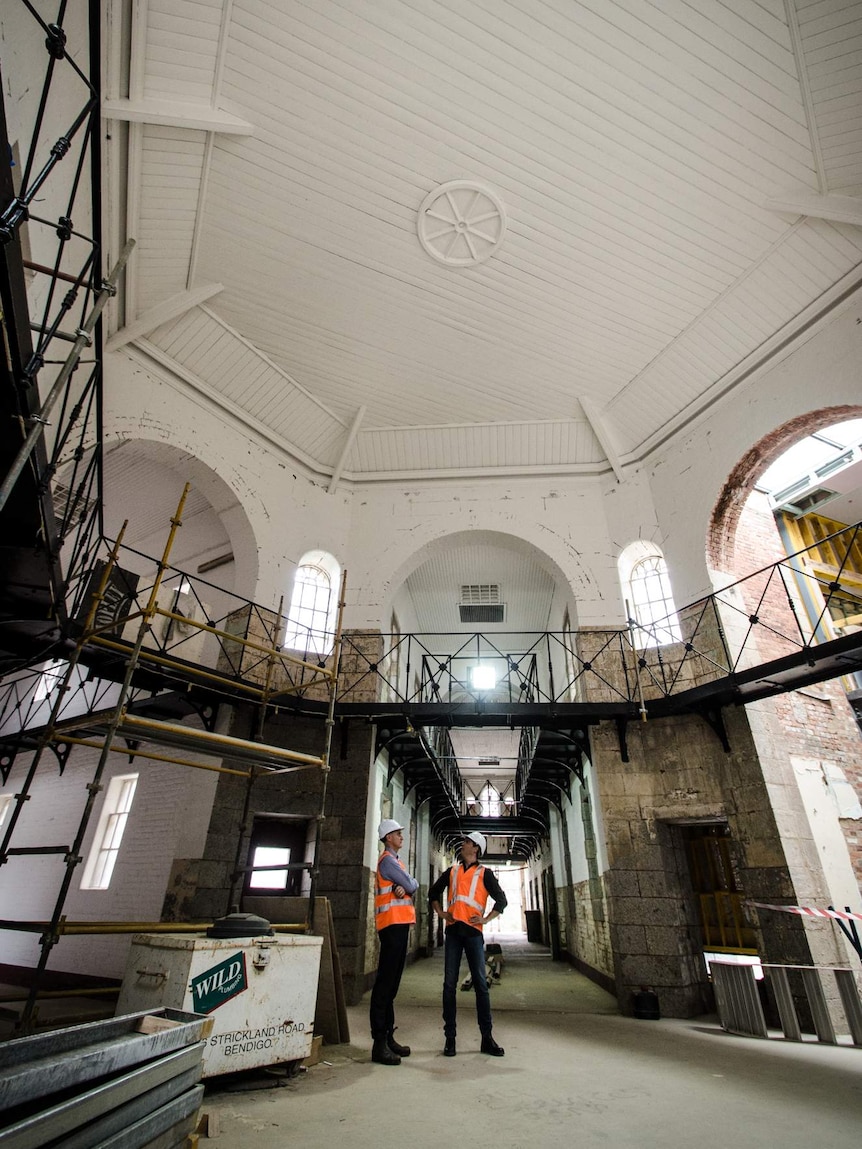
(118, 729)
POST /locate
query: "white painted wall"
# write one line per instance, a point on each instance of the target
(381, 532)
(826, 795)
(281, 514)
(395, 529)
(169, 818)
(687, 474)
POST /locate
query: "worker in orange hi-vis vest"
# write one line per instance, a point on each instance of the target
(468, 885)
(394, 914)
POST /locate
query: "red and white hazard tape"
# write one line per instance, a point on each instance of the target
(810, 911)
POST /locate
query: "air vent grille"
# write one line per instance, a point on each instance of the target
(480, 593)
(480, 603)
(491, 612)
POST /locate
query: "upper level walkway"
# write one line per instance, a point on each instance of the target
(788, 625)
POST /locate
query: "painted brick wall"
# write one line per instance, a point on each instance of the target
(816, 722)
(170, 806)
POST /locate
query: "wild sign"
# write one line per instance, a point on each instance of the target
(219, 984)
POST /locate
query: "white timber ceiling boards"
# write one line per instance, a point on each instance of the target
(448, 237)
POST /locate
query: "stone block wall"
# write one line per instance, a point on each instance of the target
(588, 938)
(361, 654)
(614, 673)
(678, 773)
(342, 876)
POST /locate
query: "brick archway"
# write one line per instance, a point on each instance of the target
(721, 537)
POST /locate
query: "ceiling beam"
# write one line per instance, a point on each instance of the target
(345, 451)
(163, 312)
(601, 433)
(176, 114)
(839, 208)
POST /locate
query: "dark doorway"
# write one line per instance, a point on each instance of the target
(549, 894)
(717, 889)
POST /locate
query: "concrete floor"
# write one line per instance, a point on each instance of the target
(574, 1072)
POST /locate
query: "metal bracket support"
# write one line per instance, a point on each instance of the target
(715, 721)
(622, 732)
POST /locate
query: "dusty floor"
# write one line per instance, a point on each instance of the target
(575, 1072)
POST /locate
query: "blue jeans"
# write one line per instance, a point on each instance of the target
(471, 943)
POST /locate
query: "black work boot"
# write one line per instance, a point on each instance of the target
(382, 1054)
(489, 1045)
(397, 1049)
(449, 1048)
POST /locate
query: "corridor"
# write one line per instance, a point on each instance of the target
(575, 1072)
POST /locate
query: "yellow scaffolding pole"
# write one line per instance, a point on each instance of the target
(91, 742)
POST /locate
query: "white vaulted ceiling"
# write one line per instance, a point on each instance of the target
(525, 589)
(678, 184)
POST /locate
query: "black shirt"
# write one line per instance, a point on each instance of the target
(435, 894)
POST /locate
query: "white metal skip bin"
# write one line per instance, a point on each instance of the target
(259, 991)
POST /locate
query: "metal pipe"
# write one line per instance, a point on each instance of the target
(93, 744)
(172, 663)
(150, 727)
(78, 280)
(279, 654)
(96, 991)
(64, 927)
(330, 724)
(84, 340)
(642, 707)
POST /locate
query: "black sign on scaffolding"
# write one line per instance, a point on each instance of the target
(117, 602)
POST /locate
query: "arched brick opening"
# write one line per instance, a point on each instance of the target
(721, 538)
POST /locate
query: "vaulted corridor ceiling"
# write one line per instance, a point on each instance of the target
(420, 238)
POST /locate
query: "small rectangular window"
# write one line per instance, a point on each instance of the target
(261, 879)
(109, 832)
(282, 842)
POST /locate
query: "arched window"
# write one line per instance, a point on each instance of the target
(648, 595)
(313, 604)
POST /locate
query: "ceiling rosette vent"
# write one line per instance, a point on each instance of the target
(461, 223)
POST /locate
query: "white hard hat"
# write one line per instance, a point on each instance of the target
(479, 839)
(388, 826)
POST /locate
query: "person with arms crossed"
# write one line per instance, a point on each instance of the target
(394, 914)
(468, 886)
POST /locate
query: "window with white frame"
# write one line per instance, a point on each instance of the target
(648, 595)
(313, 604)
(109, 832)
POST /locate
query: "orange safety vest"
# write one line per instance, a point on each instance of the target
(467, 894)
(389, 910)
